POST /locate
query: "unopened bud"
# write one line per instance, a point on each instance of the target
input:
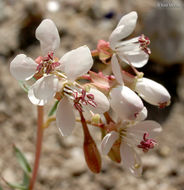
(153, 92)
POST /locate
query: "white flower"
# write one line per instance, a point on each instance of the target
(23, 68)
(74, 64)
(152, 92)
(134, 51)
(59, 76)
(137, 135)
(94, 100)
(125, 102)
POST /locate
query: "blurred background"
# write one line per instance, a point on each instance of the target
(85, 22)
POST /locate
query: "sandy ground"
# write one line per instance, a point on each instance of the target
(62, 164)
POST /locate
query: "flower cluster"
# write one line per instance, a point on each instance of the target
(111, 102)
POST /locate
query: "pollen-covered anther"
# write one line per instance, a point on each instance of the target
(47, 64)
(144, 43)
(146, 143)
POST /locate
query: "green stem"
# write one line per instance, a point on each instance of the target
(40, 110)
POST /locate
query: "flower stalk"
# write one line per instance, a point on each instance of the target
(40, 110)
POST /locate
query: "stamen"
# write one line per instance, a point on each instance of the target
(79, 96)
(146, 143)
(144, 42)
(83, 99)
(47, 64)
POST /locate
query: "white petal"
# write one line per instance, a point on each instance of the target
(129, 19)
(101, 101)
(125, 27)
(48, 36)
(136, 57)
(125, 102)
(76, 62)
(22, 67)
(130, 159)
(108, 142)
(35, 100)
(65, 117)
(149, 126)
(116, 69)
(46, 87)
(152, 92)
(142, 115)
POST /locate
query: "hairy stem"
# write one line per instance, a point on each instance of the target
(40, 110)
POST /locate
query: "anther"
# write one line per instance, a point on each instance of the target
(144, 42)
(146, 143)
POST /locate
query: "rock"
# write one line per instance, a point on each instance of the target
(164, 151)
(165, 28)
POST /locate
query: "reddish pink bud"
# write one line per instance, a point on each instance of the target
(104, 50)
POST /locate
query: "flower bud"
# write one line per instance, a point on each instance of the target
(152, 92)
(125, 102)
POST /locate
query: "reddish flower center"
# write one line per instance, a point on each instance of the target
(146, 143)
(47, 64)
(144, 42)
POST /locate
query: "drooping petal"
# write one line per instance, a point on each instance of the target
(130, 159)
(102, 103)
(116, 69)
(22, 67)
(46, 87)
(148, 126)
(125, 27)
(35, 100)
(108, 142)
(152, 92)
(131, 54)
(65, 117)
(48, 36)
(76, 62)
(125, 102)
